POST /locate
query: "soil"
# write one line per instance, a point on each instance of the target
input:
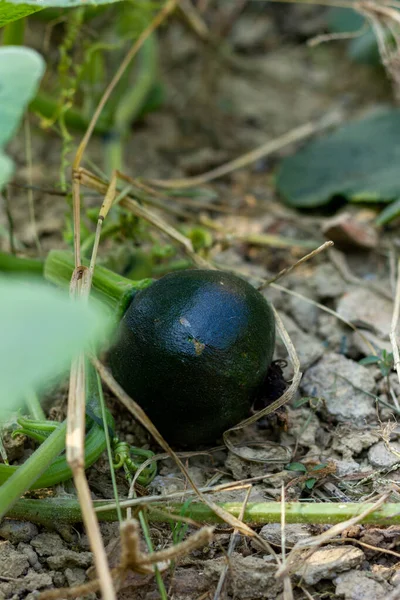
(343, 418)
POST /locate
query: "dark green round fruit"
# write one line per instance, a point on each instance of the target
(192, 350)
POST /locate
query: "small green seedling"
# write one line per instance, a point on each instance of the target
(384, 360)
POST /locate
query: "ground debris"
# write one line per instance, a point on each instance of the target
(249, 578)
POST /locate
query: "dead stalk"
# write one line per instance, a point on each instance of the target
(231, 547)
(288, 270)
(93, 182)
(295, 135)
(287, 584)
(316, 541)
(140, 415)
(162, 15)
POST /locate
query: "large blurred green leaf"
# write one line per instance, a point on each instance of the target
(362, 46)
(41, 330)
(10, 12)
(359, 161)
(21, 70)
(6, 169)
(62, 3)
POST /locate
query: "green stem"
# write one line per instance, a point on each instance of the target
(58, 471)
(47, 107)
(26, 475)
(113, 152)
(112, 289)
(34, 406)
(14, 33)
(132, 101)
(13, 264)
(64, 510)
(146, 534)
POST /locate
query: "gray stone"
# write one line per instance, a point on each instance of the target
(346, 467)
(334, 335)
(69, 558)
(32, 582)
(350, 441)
(304, 425)
(59, 579)
(75, 576)
(327, 562)
(360, 342)
(303, 312)
(30, 555)
(35, 581)
(341, 382)
(252, 577)
(326, 282)
(381, 457)
(12, 563)
(294, 532)
(47, 544)
(17, 531)
(357, 585)
(308, 348)
(363, 307)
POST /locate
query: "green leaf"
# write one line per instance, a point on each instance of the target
(310, 483)
(359, 161)
(6, 169)
(41, 331)
(62, 3)
(21, 70)
(344, 20)
(369, 360)
(296, 467)
(10, 12)
(389, 213)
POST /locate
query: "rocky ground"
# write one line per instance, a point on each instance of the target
(336, 308)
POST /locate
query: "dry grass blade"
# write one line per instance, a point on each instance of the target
(161, 16)
(327, 310)
(141, 416)
(333, 37)
(146, 500)
(194, 19)
(150, 217)
(288, 270)
(287, 584)
(104, 209)
(133, 559)
(295, 135)
(93, 182)
(231, 547)
(286, 396)
(335, 530)
(338, 260)
(75, 442)
(385, 22)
